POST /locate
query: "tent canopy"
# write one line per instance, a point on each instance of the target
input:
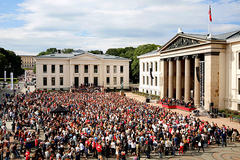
(60, 109)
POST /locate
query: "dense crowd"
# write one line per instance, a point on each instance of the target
(172, 101)
(101, 125)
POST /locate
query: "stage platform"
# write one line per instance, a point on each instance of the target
(177, 107)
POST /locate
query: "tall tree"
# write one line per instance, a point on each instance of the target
(140, 50)
(112, 51)
(96, 52)
(10, 62)
(67, 50)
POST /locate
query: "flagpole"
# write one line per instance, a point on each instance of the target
(208, 18)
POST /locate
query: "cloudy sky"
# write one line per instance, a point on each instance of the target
(32, 26)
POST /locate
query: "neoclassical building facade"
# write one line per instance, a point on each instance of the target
(205, 68)
(62, 71)
(150, 84)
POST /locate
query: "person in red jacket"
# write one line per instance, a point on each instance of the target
(94, 148)
(99, 150)
(36, 142)
(27, 154)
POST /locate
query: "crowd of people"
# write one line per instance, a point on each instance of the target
(102, 125)
(172, 101)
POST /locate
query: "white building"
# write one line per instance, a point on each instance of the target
(205, 68)
(61, 71)
(147, 83)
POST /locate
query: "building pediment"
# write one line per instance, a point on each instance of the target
(86, 56)
(181, 41)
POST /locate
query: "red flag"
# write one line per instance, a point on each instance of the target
(210, 13)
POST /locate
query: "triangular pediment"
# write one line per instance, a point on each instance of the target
(181, 41)
(86, 56)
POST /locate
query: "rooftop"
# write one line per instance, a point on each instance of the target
(154, 52)
(224, 36)
(81, 52)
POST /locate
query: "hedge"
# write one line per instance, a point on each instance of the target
(15, 80)
(146, 95)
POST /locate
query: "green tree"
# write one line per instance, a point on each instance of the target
(10, 62)
(67, 50)
(140, 50)
(34, 69)
(51, 50)
(112, 51)
(96, 52)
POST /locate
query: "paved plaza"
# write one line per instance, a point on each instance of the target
(211, 153)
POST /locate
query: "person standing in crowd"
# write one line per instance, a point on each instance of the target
(7, 157)
(27, 154)
(200, 144)
(224, 139)
(181, 148)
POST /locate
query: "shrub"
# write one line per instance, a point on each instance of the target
(220, 111)
(235, 113)
(228, 115)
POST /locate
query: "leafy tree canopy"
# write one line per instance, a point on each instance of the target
(10, 62)
(140, 50)
(67, 50)
(96, 52)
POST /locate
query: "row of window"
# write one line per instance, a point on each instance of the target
(114, 80)
(146, 68)
(27, 65)
(52, 81)
(76, 69)
(151, 80)
(114, 69)
(52, 68)
(28, 62)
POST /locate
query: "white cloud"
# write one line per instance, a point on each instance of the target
(95, 24)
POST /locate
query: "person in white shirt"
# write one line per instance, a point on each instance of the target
(133, 147)
(167, 144)
(58, 156)
(77, 149)
(81, 148)
(113, 147)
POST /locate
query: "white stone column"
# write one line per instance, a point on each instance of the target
(178, 79)
(196, 83)
(187, 80)
(170, 79)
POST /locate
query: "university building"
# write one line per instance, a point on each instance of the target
(28, 61)
(205, 68)
(62, 71)
(147, 83)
